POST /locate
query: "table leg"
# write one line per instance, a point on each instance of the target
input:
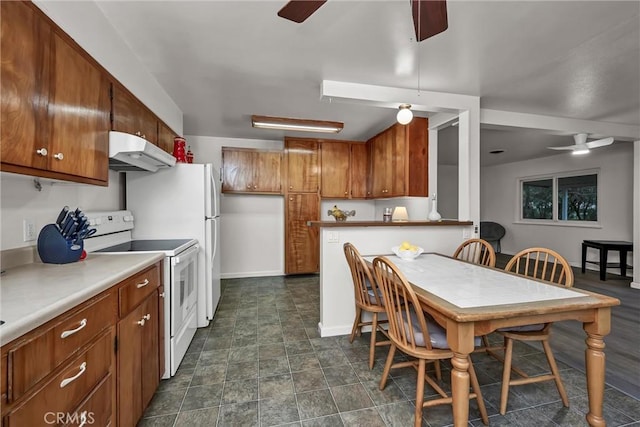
(595, 364)
(460, 339)
(584, 257)
(623, 262)
(603, 263)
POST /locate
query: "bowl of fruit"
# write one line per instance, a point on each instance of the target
(407, 251)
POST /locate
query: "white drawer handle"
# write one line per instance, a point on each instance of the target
(66, 381)
(65, 334)
(147, 316)
(143, 284)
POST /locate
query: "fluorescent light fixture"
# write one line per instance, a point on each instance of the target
(303, 125)
(580, 151)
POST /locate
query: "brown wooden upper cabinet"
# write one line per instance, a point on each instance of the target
(247, 170)
(55, 101)
(399, 160)
(303, 174)
(343, 166)
(132, 116)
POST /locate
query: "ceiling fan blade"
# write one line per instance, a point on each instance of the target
(565, 147)
(600, 142)
(299, 10)
(429, 17)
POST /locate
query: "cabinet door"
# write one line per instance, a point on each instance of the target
(130, 331)
(302, 253)
(79, 108)
(165, 137)
(335, 169)
(25, 46)
(359, 167)
(150, 354)
(237, 169)
(381, 155)
(396, 176)
(131, 116)
(302, 165)
(267, 167)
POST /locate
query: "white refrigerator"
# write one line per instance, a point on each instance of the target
(182, 202)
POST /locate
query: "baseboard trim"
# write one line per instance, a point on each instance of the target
(334, 330)
(635, 285)
(251, 274)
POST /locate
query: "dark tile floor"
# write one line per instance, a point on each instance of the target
(262, 363)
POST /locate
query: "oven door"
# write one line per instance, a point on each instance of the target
(184, 287)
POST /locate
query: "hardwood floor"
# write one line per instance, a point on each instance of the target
(622, 344)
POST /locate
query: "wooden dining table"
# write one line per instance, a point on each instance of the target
(471, 300)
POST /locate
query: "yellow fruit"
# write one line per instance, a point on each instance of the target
(405, 246)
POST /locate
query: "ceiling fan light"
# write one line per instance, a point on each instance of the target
(405, 115)
(580, 151)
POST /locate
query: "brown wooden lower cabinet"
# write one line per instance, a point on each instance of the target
(302, 244)
(89, 364)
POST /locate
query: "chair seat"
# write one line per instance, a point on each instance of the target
(523, 328)
(437, 334)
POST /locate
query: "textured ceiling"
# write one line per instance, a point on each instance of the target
(222, 61)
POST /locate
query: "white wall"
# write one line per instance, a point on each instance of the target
(252, 226)
(499, 195)
(21, 200)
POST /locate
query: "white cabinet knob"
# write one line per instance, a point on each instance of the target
(58, 156)
(43, 152)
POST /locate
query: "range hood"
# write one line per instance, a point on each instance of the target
(129, 152)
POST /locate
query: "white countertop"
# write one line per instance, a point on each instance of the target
(33, 294)
(469, 285)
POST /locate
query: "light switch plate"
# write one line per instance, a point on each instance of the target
(333, 237)
(466, 233)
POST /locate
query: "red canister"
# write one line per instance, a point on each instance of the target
(179, 149)
(189, 155)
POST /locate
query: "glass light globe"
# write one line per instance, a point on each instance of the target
(405, 115)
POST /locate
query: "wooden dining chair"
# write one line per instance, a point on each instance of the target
(368, 299)
(477, 251)
(549, 266)
(418, 337)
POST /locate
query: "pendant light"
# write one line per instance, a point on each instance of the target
(405, 115)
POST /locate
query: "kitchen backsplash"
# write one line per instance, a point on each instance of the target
(20, 200)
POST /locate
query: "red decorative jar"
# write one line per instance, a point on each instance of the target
(189, 155)
(179, 152)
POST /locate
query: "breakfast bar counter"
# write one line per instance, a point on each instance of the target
(337, 305)
(342, 224)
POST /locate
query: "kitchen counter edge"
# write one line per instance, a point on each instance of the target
(33, 294)
(444, 222)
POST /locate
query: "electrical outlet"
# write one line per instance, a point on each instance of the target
(28, 230)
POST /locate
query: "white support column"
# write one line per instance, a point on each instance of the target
(469, 165)
(433, 161)
(636, 215)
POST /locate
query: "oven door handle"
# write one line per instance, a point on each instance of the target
(185, 255)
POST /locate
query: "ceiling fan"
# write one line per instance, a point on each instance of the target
(429, 16)
(582, 146)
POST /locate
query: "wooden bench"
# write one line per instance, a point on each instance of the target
(604, 246)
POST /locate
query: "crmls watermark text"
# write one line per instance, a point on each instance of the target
(81, 418)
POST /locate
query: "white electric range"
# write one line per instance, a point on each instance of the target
(180, 274)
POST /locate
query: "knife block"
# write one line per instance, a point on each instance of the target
(54, 249)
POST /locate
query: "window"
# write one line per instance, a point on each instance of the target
(560, 198)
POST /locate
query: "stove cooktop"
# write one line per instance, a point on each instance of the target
(150, 245)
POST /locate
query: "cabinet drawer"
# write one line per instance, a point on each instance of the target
(63, 392)
(137, 288)
(96, 409)
(78, 329)
(36, 358)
